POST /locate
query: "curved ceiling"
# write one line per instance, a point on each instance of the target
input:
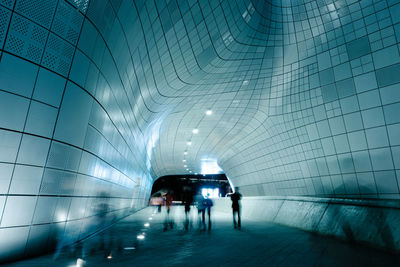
(295, 89)
(99, 98)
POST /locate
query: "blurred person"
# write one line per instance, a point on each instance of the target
(187, 201)
(96, 224)
(168, 204)
(199, 199)
(104, 220)
(62, 240)
(235, 197)
(156, 201)
(207, 203)
(159, 204)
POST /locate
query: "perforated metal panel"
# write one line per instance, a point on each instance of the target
(4, 21)
(67, 22)
(7, 3)
(58, 55)
(82, 5)
(26, 39)
(40, 11)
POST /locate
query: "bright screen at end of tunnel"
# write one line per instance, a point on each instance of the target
(210, 166)
(210, 192)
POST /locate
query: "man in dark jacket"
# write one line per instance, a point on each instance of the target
(235, 197)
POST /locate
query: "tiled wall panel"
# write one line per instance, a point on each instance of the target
(98, 98)
(67, 152)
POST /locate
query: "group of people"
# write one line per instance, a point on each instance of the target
(203, 205)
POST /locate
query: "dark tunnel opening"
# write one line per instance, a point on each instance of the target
(216, 185)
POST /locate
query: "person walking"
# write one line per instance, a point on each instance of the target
(235, 197)
(208, 203)
(187, 200)
(199, 199)
(168, 204)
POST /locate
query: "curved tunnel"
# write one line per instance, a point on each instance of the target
(100, 98)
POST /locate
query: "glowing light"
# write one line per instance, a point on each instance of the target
(195, 173)
(212, 192)
(195, 131)
(185, 153)
(109, 257)
(187, 169)
(189, 143)
(129, 248)
(79, 263)
(185, 166)
(146, 225)
(209, 112)
(230, 183)
(141, 237)
(150, 218)
(184, 160)
(153, 135)
(190, 171)
(61, 216)
(210, 166)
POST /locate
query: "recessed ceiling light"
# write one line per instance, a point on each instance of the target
(184, 160)
(190, 171)
(185, 153)
(189, 143)
(195, 131)
(209, 112)
(187, 169)
(185, 166)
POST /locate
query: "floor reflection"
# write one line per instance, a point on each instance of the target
(139, 240)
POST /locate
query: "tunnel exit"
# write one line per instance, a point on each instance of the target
(216, 186)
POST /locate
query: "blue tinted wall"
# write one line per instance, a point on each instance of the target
(98, 98)
(70, 157)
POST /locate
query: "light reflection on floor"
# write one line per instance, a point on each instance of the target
(137, 242)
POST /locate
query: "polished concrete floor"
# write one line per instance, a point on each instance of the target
(256, 244)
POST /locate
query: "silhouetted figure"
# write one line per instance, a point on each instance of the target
(235, 197)
(168, 204)
(187, 200)
(199, 199)
(207, 203)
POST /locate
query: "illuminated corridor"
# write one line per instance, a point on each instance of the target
(297, 102)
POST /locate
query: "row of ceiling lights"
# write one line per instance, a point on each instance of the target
(189, 143)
